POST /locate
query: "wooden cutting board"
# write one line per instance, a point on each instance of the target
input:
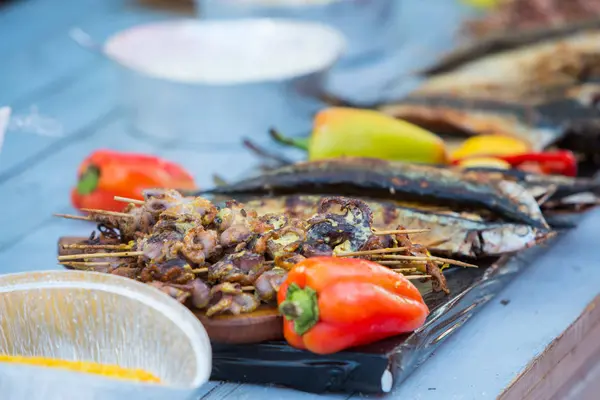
(261, 325)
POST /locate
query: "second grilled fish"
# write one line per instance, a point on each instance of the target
(395, 181)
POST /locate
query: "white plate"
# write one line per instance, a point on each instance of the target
(226, 52)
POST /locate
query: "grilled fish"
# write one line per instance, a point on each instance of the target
(458, 234)
(395, 181)
(527, 74)
(506, 40)
(452, 117)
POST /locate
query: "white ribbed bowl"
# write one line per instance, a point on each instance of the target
(103, 318)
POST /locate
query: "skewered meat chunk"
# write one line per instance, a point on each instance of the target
(270, 222)
(285, 241)
(345, 232)
(233, 213)
(158, 201)
(175, 270)
(243, 267)
(162, 194)
(160, 246)
(141, 222)
(235, 235)
(229, 297)
(378, 242)
(316, 248)
(178, 293)
(288, 261)
(200, 293)
(202, 207)
(267, 285)
(200, 244)
(196, 292)
(126, 271)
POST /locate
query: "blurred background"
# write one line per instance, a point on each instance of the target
(217, 86)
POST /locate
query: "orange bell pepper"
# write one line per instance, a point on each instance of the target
(107, 173)
(330, 304)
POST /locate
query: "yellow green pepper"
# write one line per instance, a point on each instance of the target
(350, 132)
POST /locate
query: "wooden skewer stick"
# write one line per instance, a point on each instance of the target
(110, 213)
(97, 246)
(400, 262)
(128, 200)
(248, 288)
(434, 243)
(369, 252)
(411, 277)
(403, 270)
(84, 266)
(454, 262)
(77, 217)
(400, 231)
(90, 263)
(429, 258)
(100, 255)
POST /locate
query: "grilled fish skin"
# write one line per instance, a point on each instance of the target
(395, 181)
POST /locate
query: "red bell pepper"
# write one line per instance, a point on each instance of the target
(562, 162)
(107, 173)
(331, 303)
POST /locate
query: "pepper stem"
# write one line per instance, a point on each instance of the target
(300, 306)
(299, 143)
(88, 180)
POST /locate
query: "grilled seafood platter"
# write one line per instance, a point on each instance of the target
(229, 259)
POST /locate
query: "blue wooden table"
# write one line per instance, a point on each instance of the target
(64, 106)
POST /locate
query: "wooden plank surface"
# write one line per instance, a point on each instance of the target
(564, 363)
(42, 67)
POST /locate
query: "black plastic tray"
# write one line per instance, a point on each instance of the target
(374, 368)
